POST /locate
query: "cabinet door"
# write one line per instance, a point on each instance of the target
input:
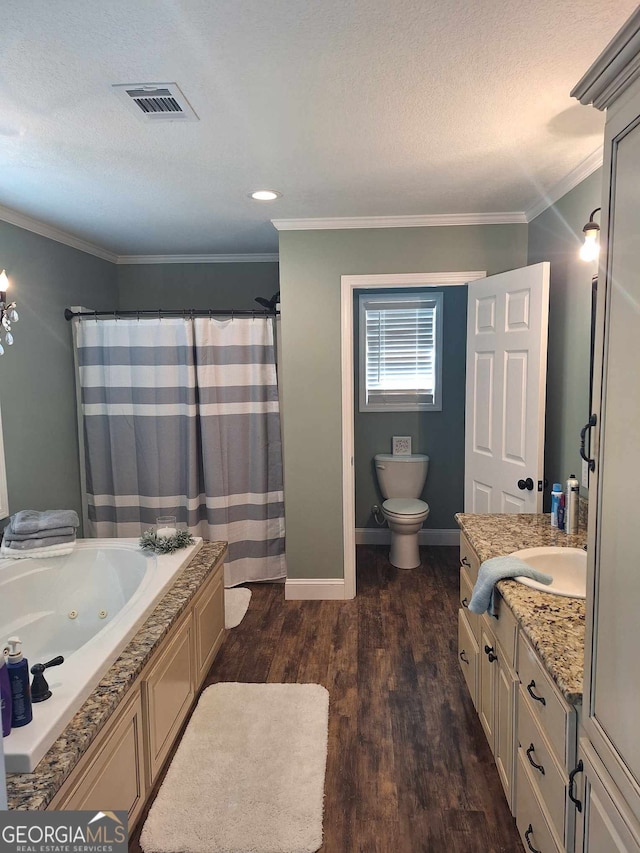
(504, 728)
(208, 614)
(468, 656)
(114, 774)
(466, 591)
(168, 692)
(605, 824)
(487, 689)
(612, 673)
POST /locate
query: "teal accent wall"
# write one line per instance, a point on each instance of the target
(195, 285)
(438, 434)
(311, 264)
(37, 385)
(556, 236)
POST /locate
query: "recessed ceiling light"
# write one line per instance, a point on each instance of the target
(265, 195)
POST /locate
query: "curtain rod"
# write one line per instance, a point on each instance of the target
(175, 312)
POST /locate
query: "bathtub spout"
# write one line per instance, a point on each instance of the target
(39, 687)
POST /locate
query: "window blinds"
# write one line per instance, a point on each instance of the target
(401, 351)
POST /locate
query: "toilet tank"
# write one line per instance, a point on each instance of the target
(401, 476)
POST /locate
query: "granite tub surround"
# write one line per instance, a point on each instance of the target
(34, 791)
(553, 624)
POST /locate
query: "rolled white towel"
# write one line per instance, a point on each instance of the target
(37, 553)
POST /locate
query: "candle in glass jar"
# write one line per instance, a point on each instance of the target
(166, 526)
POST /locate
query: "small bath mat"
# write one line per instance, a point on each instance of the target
(248, 775)
(236, 604)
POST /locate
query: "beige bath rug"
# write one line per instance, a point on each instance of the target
(248, 776)
(236, 604)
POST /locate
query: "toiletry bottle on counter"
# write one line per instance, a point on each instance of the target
(5, 695)
(571, 502)
(561, 511)
(556, 494)
(18, 666)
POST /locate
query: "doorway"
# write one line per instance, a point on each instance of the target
(350, 284)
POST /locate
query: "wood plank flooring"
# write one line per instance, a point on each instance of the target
(408, 767)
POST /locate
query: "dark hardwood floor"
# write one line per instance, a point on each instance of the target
(408, 768)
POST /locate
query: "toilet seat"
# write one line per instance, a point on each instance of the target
(405, 506)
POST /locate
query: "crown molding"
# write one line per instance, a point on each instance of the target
(11, 216)
(264, 258)
(575, 177)
(614, 70)
(340, 223)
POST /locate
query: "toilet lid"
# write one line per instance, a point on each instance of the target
(405, 506)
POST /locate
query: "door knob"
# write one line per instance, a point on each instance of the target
(526, 484)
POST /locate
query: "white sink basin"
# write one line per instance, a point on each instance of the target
(567, 566)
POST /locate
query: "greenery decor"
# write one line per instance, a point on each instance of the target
(165, 544)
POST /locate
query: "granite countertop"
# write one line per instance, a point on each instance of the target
(32, 791)
(554, 624)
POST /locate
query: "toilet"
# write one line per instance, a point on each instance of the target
(401, 480)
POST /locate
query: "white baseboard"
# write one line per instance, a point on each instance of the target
(314, 589)
(382, 536)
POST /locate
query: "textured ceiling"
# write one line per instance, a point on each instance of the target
(348, 107)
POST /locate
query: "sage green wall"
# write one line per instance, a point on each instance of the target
(311, 264)
(438, 434)
(195, 285)
(37, 385)
(556, 236)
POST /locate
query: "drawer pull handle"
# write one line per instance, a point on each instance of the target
(463, 657)
(464, 561)
(464, 602)
(526, 838)
(489, 653)
(572, 776)
(530, 687)
(532, 762)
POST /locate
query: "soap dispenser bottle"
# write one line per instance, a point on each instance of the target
(5, 695)
(18, 666)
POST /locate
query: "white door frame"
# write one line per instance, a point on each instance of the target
(348, 285)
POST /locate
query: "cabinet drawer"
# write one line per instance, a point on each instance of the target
(530, 819)
(468, 558)
(550, 781)
(466, 591)
(554, 716)
(468, 655)
(504, 628)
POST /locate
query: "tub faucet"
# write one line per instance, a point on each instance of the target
(39, 687)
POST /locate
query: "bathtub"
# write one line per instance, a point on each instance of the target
(86, 606)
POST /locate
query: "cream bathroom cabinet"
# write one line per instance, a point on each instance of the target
(529, 726)
(486, 651)
(120, 767)
(608, 777)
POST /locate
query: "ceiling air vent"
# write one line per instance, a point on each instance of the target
(156, 101)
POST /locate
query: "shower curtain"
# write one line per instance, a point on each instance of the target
(181, 417)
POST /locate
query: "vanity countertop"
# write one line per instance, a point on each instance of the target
(554, 624)
(33, 791)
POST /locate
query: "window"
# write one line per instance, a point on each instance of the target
(400, 352)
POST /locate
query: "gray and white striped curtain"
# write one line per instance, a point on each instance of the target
(181, 417)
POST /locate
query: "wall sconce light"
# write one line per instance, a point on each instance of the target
(590, 249)
(8, 313)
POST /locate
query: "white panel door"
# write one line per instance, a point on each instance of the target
(507, 323)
